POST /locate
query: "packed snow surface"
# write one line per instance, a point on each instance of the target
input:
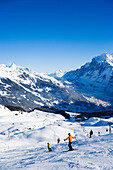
(24, 137)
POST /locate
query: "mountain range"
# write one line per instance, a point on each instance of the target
(87, 89)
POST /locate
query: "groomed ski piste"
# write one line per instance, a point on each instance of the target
(24, 137)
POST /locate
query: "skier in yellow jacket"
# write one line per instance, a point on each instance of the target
(49, 147)
(70, 141)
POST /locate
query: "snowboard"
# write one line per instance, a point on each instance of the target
(70, 150)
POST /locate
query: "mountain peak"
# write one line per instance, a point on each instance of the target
(57, 74)
(101, 57)
(13, 66)
(105, 57)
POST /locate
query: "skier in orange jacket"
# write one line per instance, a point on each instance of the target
(70, 141)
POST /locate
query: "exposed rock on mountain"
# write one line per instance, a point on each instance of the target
(88, 89)
(94, 78)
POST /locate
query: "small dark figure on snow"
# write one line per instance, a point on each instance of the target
(70, 141)
(106, 130)
(91, 133)
(58, 140)
(98, 133)
(49, 147)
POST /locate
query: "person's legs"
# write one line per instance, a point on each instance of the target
(50, 149)
(70, 147)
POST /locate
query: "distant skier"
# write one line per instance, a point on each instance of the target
(91, 133)
(58, 140)
(98, 133)
(106, 130)
(70, 141)
(49, 147)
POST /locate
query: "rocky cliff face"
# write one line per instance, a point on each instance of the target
(94, 78)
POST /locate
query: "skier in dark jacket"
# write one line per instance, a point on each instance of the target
(58, 140)
(70, 141)
(91, 133)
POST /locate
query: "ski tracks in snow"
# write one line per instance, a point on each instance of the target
(91, 154)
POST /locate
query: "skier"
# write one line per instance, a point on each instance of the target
(70, 141)
(49, 147)
(91, 133)
(58, 140)
(98, 133)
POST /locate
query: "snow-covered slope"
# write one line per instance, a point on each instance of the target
(24, 137)
(94, 78)
(27, 89)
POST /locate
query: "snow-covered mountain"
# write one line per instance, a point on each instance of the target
(25, 88)
(57, 74)
(94, 78)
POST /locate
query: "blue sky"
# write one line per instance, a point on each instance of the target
(48, 35)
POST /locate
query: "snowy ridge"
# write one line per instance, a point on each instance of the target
(14, 72)
(105, 57)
